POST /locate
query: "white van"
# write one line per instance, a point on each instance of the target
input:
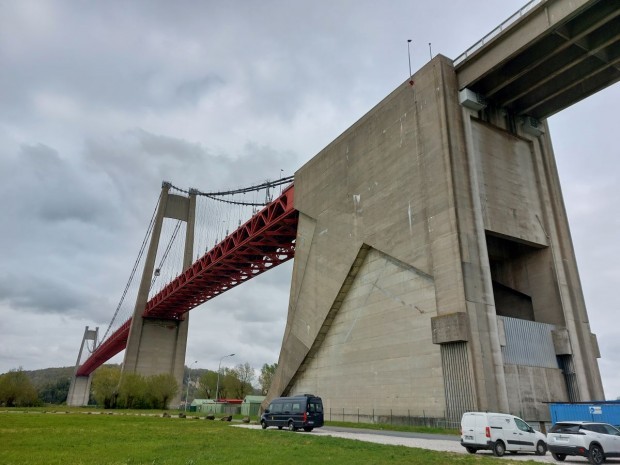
(500, 432)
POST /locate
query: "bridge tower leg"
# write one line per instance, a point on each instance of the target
(79, 391)
(157, 346)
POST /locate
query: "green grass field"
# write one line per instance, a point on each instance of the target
(32, 437)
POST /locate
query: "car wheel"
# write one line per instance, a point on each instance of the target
(471, 450)
(291, 426)
(558, 457)
(263, 424)
(596, 455)
(307, 429)
(541, 448)
(499, 449)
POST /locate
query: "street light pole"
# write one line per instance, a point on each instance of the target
(217, 388)
(189, 377)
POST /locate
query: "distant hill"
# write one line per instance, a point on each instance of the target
(46, 376)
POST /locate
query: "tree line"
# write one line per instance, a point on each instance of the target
(16, 390)
(234, 383)
(109, 390)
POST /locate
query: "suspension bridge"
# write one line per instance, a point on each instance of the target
(432, 249)
(264, 241)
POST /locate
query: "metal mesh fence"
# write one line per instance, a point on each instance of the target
(388, 417)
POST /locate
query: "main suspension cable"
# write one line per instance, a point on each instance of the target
(166, 252)
(215, 195)
(135, 267)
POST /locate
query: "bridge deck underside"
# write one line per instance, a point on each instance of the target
(564, 65)
(265, 241)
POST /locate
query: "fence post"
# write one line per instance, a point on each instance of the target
(358, 414)
(373, 416)
(343, 414)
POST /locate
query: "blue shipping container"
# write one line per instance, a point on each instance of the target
(605, 412)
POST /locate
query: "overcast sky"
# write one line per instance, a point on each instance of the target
(101, 101)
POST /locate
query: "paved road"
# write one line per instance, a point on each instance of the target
(437, 442)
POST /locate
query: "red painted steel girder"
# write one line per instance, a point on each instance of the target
(112, 346)
(263, 242)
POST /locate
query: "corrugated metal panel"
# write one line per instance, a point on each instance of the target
(528, 343)
(456, 379)
(601, 412)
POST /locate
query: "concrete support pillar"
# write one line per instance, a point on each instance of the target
(79, 390)
(493, 384)
(183, 326)
(155, 345)
(582, 343)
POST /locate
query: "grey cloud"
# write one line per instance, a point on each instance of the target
(192, 90)
(51, 187)
(41, 295)
(256, 304)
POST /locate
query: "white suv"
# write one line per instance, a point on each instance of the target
(596, 441)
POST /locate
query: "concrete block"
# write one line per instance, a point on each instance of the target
(453, 327)
(561, 341)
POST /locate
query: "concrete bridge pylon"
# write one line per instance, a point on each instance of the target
(79, 390)
(434, 271)
(155, 345)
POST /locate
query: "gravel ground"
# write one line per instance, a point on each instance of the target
(422, 441)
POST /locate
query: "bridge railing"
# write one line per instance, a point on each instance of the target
(498, 30)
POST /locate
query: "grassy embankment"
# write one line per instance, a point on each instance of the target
(35, 438)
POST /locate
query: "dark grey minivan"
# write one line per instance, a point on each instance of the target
(304, 411)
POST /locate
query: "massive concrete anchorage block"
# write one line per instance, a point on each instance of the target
(432, 239)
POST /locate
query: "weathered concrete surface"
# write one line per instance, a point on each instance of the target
(365, 357)
(529, 388)
(422, 213)
(453, 327)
